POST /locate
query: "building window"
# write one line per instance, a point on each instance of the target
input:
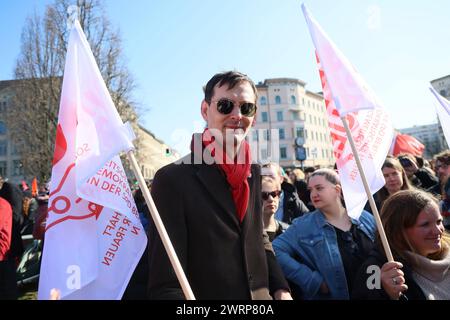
(323, 154)
(282, 134)
(264, 116)
(255, 135)
(2, 127)
(293, 100)
(283, 152)
(3, 168)
(306, 134)
(310, 119)
(299, 132)
(263, 101)
(14, 150)
(303, 101)
(3, 147)
(263, 153)
(279, 115)
(307, 152)
(295, 115)
(277, 100)
(17, 168)
(267, 135)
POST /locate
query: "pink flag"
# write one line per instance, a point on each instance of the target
(93, 238)
(345, 92)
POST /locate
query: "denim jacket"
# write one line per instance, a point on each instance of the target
(308, 254)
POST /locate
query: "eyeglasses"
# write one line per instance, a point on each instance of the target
(405, 162)
(225, 106)
(274, 194)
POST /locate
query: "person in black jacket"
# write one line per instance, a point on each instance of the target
(291, 206)
(419, 177)
(210, 203)
(420, 247)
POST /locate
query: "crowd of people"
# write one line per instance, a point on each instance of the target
(21, 213)
(247, 231)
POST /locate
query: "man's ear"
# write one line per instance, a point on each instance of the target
(204, 110)
(254, 121)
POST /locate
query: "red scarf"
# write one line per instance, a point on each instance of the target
(236, 173)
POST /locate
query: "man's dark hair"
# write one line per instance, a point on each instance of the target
(309, 170)
(230, 78)
(443, 157)
(419, 161)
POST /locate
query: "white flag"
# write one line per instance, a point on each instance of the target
(93, 238)
(349, 91)
(371, 129)
(443, 111)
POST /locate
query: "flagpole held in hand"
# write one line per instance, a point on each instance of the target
(161, 229)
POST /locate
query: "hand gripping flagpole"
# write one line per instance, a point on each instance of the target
(161, 229)
(374, 208)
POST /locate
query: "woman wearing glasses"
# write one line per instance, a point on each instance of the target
(322, 250)
(271, 191)
(421, 250)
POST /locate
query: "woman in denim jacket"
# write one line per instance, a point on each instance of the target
(322, 250)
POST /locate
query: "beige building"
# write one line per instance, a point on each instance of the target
(294, 114)
(10, 164)
(153, 153)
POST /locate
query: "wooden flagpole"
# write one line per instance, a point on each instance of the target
(376, 215)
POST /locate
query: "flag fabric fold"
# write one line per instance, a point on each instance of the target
(443, 111)
(94, 238)
(404, 143)
(347, 95)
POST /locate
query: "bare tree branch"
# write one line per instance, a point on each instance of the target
(39, 68)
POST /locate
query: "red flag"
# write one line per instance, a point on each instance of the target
(407, 144)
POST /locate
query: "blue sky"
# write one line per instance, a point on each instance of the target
(174, 46)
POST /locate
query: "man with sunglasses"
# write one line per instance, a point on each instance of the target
(210, 203)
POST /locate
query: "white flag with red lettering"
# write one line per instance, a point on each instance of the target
(443, 111)
(94, 238)
(346, 94)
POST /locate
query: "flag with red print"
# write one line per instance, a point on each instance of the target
(404, 143)
(346, 94)
(443, 111)
(93, 238)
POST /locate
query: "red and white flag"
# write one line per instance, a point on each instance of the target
(93, 238)
(404, 143)
(346, 94)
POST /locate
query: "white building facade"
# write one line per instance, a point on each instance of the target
(288, 110)
(428, 135)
